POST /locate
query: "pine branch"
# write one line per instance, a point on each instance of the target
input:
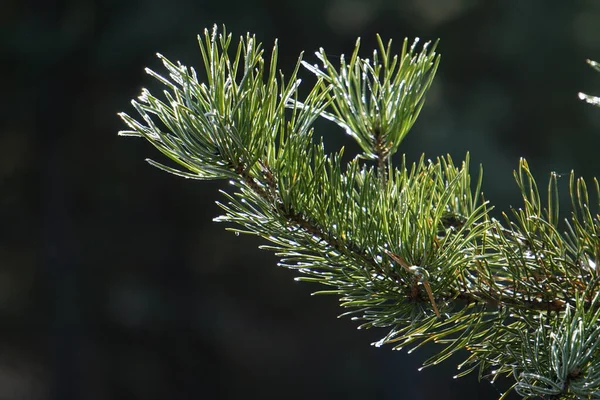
(591, 99)
(411, 248)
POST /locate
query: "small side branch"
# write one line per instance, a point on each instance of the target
(382, 154)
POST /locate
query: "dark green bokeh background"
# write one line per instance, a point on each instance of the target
(114, 281)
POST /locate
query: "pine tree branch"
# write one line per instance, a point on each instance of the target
(411, 248)
(587, 98)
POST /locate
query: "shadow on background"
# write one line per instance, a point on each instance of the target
(114, 281)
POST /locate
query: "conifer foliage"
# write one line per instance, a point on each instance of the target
(411, 248)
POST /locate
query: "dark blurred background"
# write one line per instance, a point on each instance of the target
(114, 281)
